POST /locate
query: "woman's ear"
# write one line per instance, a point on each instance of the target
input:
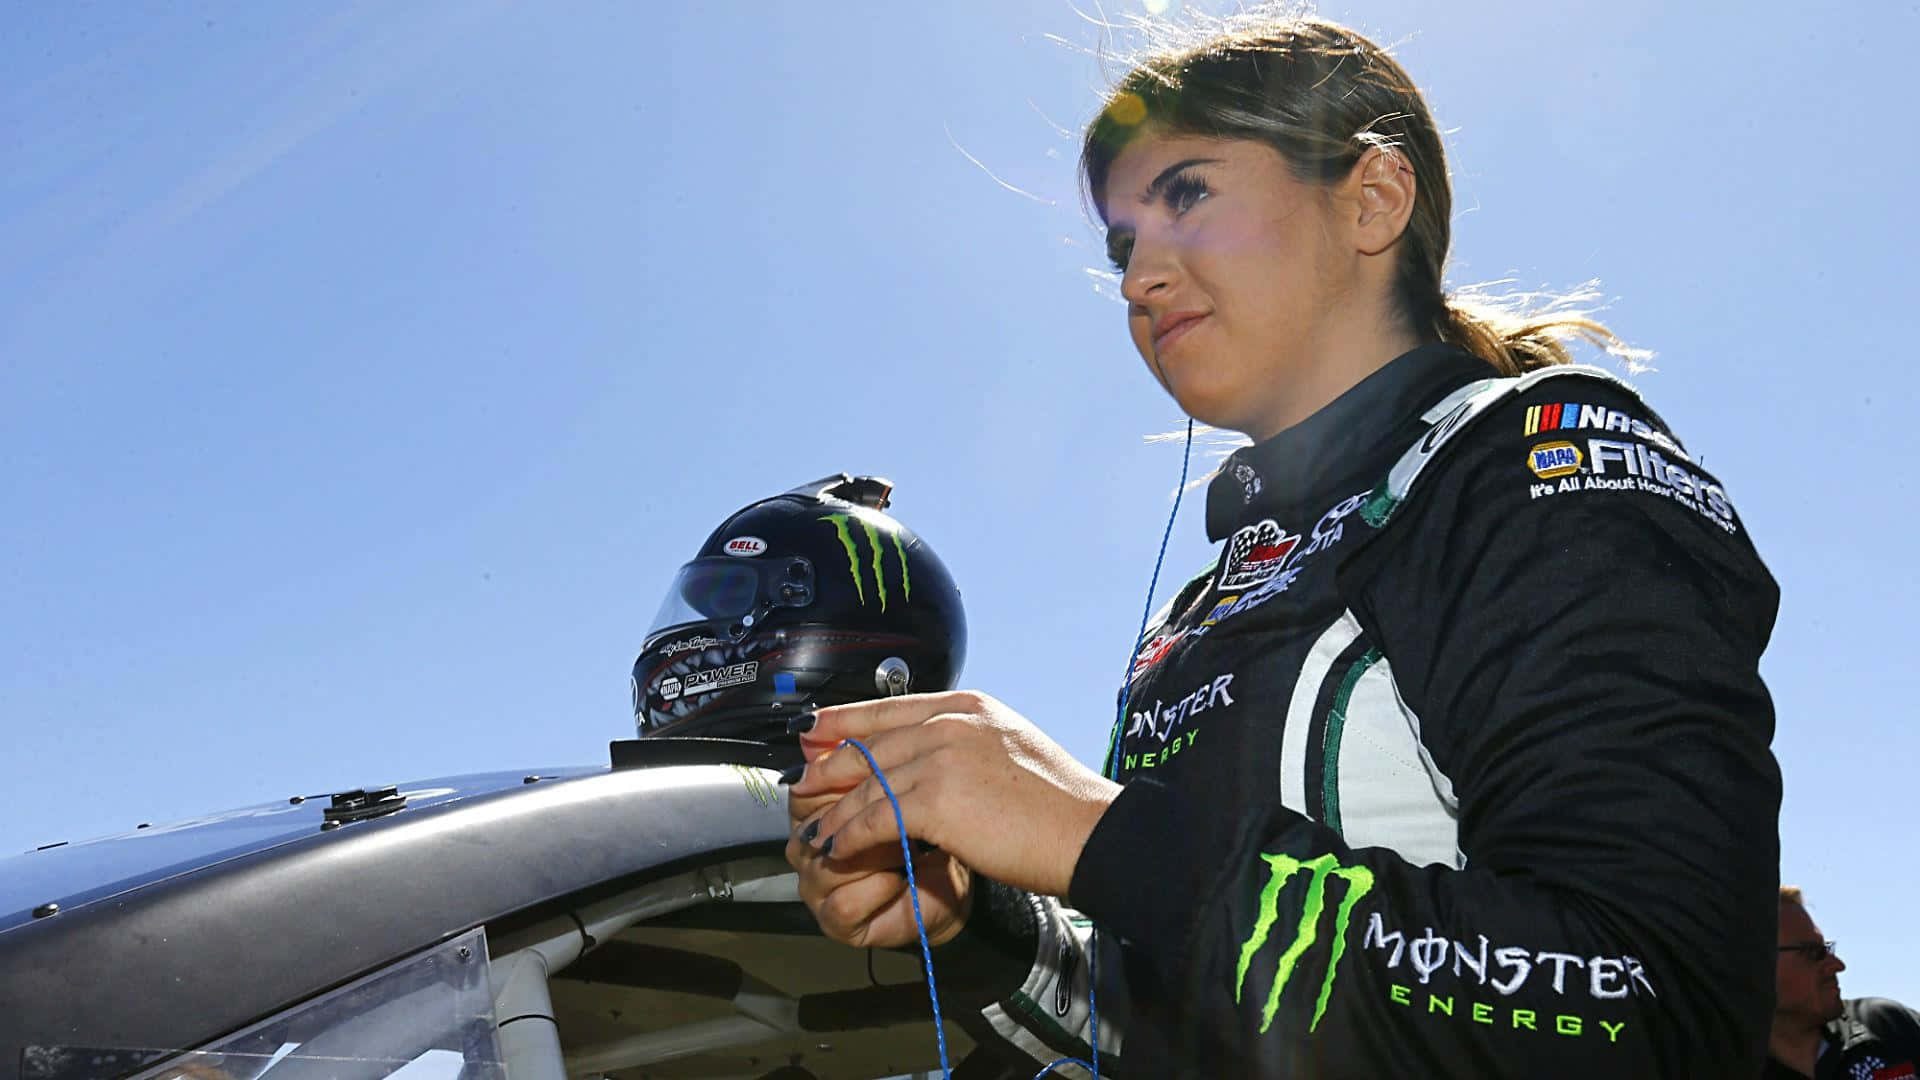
(1382, 188)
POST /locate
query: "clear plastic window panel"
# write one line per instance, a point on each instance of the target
(427, 1017)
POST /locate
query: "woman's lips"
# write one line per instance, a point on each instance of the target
(1175, 328)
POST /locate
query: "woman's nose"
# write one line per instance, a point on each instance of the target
(1148, 272)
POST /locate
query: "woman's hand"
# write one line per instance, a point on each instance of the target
(862, 900)
(974, 778)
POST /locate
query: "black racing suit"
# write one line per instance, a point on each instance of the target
(1455, 763)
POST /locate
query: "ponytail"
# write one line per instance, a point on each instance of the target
(1515, 334)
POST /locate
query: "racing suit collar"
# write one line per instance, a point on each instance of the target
(1308, 456)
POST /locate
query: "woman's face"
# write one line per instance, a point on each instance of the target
(1239, 279)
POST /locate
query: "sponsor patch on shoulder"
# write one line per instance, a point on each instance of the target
(1628, 465)
(1570, 416)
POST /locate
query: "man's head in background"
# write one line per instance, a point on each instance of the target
(1806, 971)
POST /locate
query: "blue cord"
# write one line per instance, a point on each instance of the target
(1126, 684)
(1113, 769)
(1113, 766)
(913, 893)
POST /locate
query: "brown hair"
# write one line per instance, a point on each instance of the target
(1322, 95)
(1790, 894)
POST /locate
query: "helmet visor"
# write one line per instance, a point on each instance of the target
(728, 589)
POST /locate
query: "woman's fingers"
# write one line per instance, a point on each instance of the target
(824, 731)
(821, 874)
(861, 816)
(844, 767)
(864, 718)
(864, 819)
(843, 894)
(878, 910)
(862, 899)
(945, 887)
(800, 808)
(972, 776)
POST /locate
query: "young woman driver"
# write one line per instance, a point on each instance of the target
(1456, 761)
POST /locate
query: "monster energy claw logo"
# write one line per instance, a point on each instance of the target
(840, 525)
(1359, 881)
(757, 784)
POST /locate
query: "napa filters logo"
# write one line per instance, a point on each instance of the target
(1626, 465)
(1554, 459)
(1357, 882)
(858, 562)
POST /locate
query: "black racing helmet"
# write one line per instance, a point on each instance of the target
(812, 597)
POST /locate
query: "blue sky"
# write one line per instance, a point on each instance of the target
(367, 369)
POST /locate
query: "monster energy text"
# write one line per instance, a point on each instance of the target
(1506, 969)
(841, 523)
(1570, 1025)
(1359, 882)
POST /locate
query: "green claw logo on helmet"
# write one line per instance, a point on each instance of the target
(840, 522)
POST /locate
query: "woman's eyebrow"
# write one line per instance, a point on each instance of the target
(1168, 173)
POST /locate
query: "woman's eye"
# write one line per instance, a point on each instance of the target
(1119, 251)
(1184, 191)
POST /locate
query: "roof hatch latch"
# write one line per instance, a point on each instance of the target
(361, 804)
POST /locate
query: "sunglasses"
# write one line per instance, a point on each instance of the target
(1814, 951)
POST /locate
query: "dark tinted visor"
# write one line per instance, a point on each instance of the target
(727, 589)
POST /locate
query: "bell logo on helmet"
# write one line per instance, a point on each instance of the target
(848, 540)
(746, 547)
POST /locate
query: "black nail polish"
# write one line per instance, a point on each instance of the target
(827, 848)
(812, 830)
(803, 723)
(793, 775)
